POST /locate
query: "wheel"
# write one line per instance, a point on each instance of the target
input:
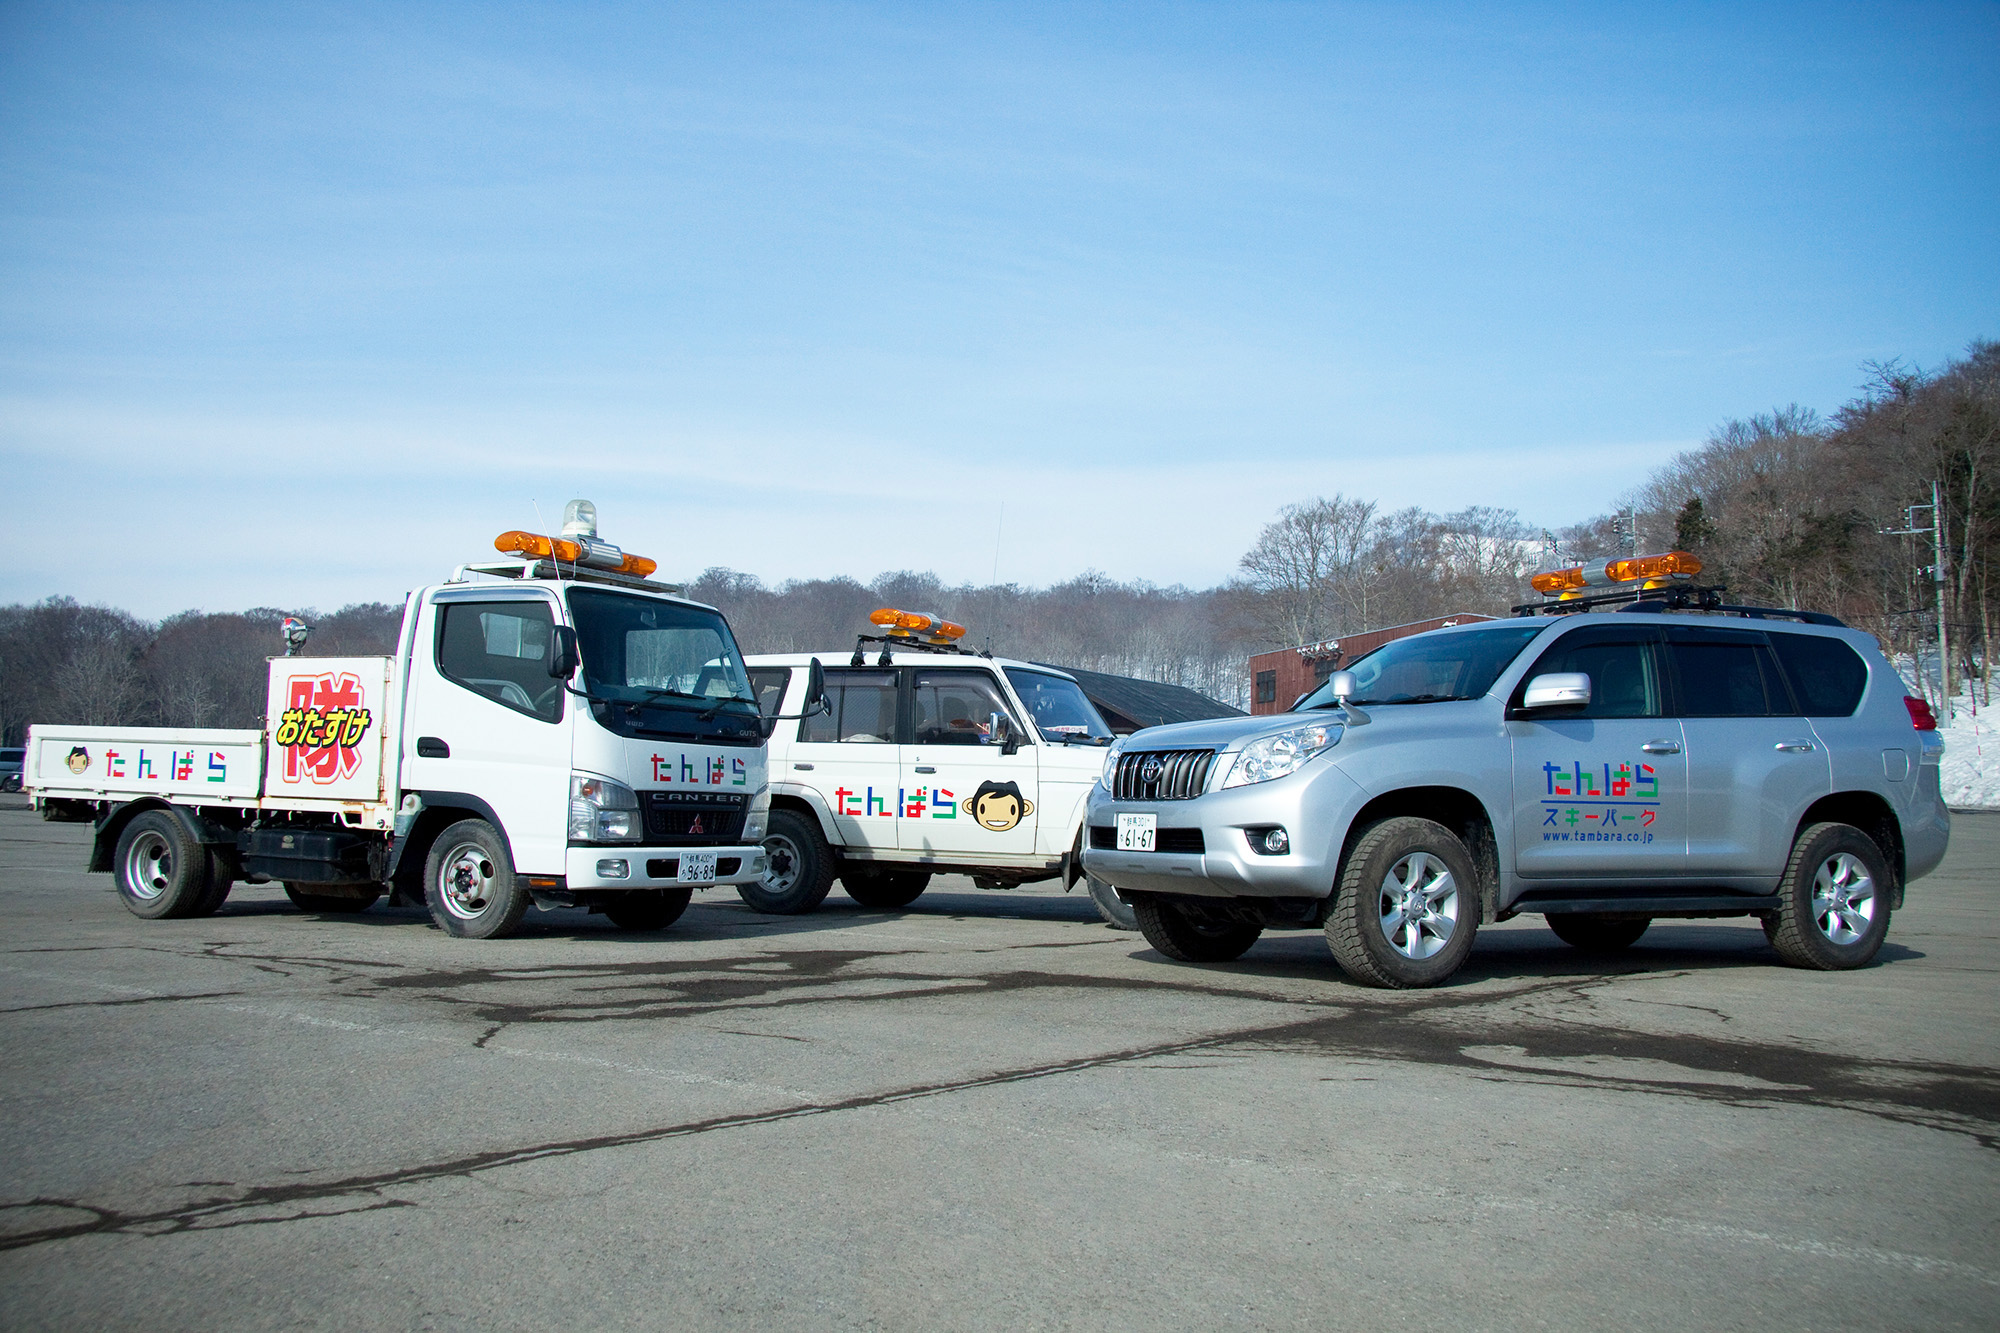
(647, 909)
(470, 885)
(1407, 905)
(1596, 932)
(1117, 913)
(799, 870)
(306, 900)
(884, 890)
(161, 870)
(1833, 903)
(1188, 938)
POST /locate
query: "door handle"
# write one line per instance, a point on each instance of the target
(926, 768)
(430, 747)
(1661, 747)
(1795, 746)
(803, 768)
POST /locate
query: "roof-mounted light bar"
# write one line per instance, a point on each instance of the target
(1650, 571)
(930, 628)
(579, 545)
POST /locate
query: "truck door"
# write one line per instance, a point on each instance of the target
(487, 720)
(849, 755)
(963, 797)
(1754, 763)
(1600, 791)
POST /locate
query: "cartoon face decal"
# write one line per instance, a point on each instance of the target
(79, 760)
(998, 806)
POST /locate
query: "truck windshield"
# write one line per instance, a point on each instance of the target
(655, 668)
(1061, 712)
(1431, 668)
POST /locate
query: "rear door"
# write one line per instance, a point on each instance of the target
(850, 755)
(1754, 762)
(1600, 791)
(963, 795)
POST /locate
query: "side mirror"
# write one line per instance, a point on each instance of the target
(815, 701)
(1343, 685)
(1000, 728)
(562, 652)
(1558, 689)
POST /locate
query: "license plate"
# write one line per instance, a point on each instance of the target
(697, 868)
(1136, 832)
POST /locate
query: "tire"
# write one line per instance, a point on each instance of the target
(470, 885)
(306, 900)
(1408, 880)
(162, 872)
(647, 909)
(219, 885)
(799, 873)
(1117, 913)
(1833, 903)
(1172, 930)
(1595, 932)
(884, 890)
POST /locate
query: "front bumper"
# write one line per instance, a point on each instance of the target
(1313, 806)
(658, 867)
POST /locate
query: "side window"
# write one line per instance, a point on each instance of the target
(956, 708)
(1727, 673)
(1828, 677)
(501, 650)
(864, 709)
(768, 684)
(1622, 663)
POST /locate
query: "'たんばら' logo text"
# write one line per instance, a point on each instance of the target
(323, 723)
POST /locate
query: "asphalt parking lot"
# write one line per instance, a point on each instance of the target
(988, 1111)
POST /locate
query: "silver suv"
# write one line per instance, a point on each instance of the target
(1600, 769)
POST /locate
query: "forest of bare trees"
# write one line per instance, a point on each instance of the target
(1786, 507)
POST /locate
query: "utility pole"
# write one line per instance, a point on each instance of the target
(1936, 570)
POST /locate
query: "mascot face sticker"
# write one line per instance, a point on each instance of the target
(79, 760)
(998, 806)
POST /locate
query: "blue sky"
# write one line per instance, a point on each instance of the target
(301, 305)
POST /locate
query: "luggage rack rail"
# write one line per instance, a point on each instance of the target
(1692, 597)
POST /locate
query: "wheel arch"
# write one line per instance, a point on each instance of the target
(1874, 816)
(813, 807)
(1455, 808)
(441, 809)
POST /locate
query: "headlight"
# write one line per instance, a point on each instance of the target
(601, 810)
(758, 815)
(1111, 762)
(1282, 754)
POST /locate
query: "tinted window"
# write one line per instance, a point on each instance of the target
(768, 684)
(956, 708)
(1827, 676)
(1727, 673)
(864, 709)
(1621, 663)
(1425, 667)
(501, 650)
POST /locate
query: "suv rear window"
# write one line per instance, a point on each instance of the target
(1827, 676)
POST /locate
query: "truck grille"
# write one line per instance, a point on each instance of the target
(695, 818)
(1179, 776)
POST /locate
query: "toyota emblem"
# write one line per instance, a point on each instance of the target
(1149, 772)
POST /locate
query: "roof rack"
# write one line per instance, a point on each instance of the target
(860, 657)
(1691, 597)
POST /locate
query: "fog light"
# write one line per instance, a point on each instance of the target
(613, 870)
(1275, 842)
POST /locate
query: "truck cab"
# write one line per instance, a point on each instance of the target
(928, 759)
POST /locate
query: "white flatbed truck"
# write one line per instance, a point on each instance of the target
(554, 729)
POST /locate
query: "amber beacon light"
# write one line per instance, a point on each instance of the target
(579, 545)
(914, 624)
(1651, 571)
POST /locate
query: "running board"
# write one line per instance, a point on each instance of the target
(1717, 904)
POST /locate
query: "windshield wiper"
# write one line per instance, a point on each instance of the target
(1075, 738)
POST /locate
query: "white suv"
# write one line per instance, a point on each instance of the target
(927, 761)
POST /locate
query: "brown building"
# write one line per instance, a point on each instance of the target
(1278, 679)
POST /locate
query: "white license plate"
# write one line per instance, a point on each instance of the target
(697, 868)
(1136, 832)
